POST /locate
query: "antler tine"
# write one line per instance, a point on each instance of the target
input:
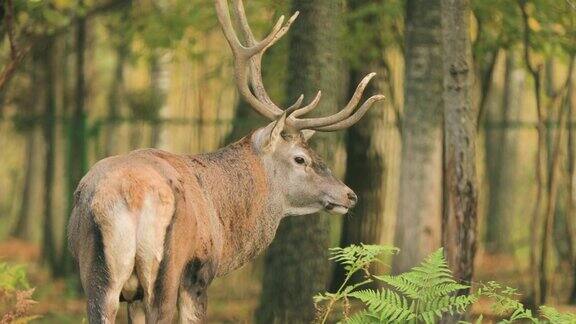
(306, 109)
(354, 118)
(296, 104)
(317, 123)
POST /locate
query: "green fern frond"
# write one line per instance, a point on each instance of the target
(555, 317)
(405, 284)
(386, 304)
(362, 317)
(355, 257)
(446, 304)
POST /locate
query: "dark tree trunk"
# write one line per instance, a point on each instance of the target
(49, 252)
(460, 184)
(296, 264)
(77, 159)
(365, 164)
(420, 196)
(115, 100)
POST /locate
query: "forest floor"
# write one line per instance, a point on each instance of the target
(232, 299)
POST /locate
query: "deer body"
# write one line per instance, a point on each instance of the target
(187, 218)
(154, 228)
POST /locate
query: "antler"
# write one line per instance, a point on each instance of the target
(248, 75)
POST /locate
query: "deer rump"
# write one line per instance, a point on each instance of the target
(129, 212)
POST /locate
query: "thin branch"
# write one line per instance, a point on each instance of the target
(485, 85)
(10, 28)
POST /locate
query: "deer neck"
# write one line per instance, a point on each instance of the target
(245, 213)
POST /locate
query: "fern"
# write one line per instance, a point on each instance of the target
(358, 257)
(555, 317)
(15, 295)
(385, 305)
(422, 295)
(354, 258)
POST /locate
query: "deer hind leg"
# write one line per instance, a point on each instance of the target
(110, 265)
(136, 313)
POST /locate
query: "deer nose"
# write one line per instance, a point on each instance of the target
(353, 198)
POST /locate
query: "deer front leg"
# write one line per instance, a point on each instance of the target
(192, 305)
(193, 298)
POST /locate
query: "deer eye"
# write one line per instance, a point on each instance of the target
(299, 160)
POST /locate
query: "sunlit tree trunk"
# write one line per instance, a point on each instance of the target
(115, 100)
(160, 83)
(26, 225)
(571, 192)
(420, 197)
(296, 266)
(501, 156)
(460, 184)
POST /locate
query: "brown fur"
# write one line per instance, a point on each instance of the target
(171, 223)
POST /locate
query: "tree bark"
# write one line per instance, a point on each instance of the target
(77, 159)
(49, 252)
(501, 156)
(460, 184)
(25, 227)
(296, 266)
(363, 155)
(115, 99)
(420, 196)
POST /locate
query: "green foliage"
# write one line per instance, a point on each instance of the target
(15, 295)
(422, 295)
(13, 277)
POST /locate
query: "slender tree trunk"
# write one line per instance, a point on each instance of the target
(552, 190)
(571, 209)
(23, 229)
(49, 252)
(420, 197)
(77, 159)
(160, 85)
(26, 226)
(460, 184)
(296, 264)
(501, 156)
(115, 100)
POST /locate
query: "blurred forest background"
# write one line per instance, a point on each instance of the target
(84, 79)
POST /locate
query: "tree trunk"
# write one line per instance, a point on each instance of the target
(571, 193)
(364, 157)
(26, 228)
(77, 159)
(296, 266)
(49, 252)
(460, 184)
(115, 100)
(501, 147)
(420, 196)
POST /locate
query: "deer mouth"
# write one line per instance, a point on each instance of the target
(336, 208)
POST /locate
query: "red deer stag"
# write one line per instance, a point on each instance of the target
(154, 228)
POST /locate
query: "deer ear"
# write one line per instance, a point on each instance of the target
(276, 133)
(307, 134)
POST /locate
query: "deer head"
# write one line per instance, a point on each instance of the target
(296, 173)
